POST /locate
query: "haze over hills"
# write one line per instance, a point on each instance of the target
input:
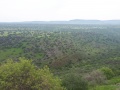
(77, 21)
(74, 21)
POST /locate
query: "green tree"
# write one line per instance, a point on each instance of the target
(107, 72)
(23, 75)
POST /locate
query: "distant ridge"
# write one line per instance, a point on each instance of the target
(78, 21)
(74, 21)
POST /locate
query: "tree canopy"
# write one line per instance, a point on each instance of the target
(23, 75)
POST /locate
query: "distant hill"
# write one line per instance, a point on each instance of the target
(74, 21)
(77, 21)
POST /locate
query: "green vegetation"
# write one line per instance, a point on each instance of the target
(112, 84)
(74, 82)
(23, 75)
(105, 87)
(107, 72)
(95, 78)
(84, 57)
(10, 53)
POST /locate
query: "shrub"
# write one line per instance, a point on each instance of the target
(116, 71)
(107, 72)
(74, 82)
(95, 77)
(23, 75)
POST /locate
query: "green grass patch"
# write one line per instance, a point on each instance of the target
(105, 87)
(12, 52)
(112, 84)
(114, 80)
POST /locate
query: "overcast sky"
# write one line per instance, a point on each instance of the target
(50, 10)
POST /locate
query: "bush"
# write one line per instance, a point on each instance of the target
(23, 75)
(107, 72)
(74, 82)
(95, 78)
(116, 71)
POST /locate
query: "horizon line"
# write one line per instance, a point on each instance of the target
(60, 20)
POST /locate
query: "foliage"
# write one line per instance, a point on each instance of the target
(74, 82)
(95, 77)
(23, 75)
(64, 45)
(114, 80)
(105, 87)
(107, 72)
(112, 84)
(79, 49)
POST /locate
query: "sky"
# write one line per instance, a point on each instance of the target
(52, 10)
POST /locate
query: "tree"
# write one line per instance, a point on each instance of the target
(107, 72)
(23, 75)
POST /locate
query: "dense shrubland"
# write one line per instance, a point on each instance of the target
(23, 75)
(82, 56)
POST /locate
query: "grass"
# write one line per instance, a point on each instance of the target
(105, 87)
(114, 80)
(112, 84)
(12, 52)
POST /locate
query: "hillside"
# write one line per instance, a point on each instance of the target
(66, 48)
